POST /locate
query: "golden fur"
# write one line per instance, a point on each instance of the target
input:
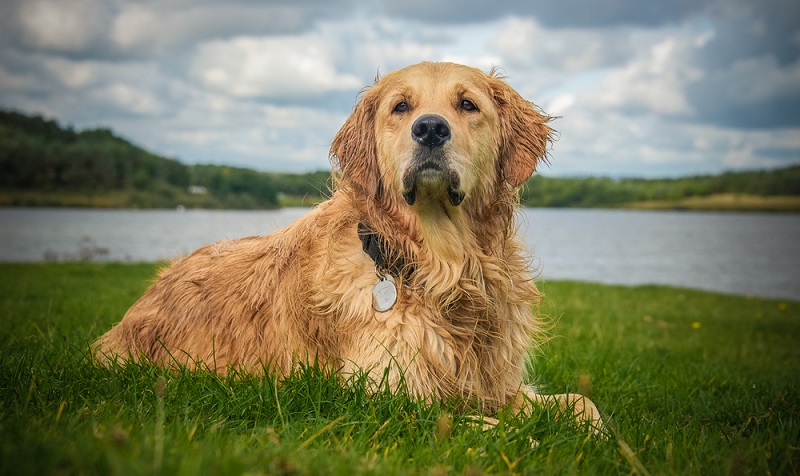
(463, 322)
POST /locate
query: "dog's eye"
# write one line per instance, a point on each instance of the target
(468, 105)
(401, 107)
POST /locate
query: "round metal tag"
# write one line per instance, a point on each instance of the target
(384, 294)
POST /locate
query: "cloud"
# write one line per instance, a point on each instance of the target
(652, 82)
(560, 104)
(139, 27)
(247, 134)
(368, 46)
(618, 144)
(562, 14)
(751, 93)
(270, 67)
(72, 74)
(745, 29)
(523, 43)
(118, 29)
(129, 98)
(68, 26)
(750, 66)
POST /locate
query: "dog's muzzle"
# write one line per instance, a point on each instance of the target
(429, 166)
(433, 172)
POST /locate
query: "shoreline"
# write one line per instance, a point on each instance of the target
(120, 200)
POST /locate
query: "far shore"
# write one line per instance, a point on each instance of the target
(122, 200)
(725, 202)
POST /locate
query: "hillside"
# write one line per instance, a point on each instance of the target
(777, 190)
(45, 164)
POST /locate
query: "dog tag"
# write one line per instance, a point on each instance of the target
(384, 294)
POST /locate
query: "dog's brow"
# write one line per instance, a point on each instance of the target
(398, 95)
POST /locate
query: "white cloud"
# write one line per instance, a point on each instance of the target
(615, 143)
(166, 27)
(277, 67)
(128, 98)
(524, 44)
(212, 127)
(137, 24)
(560, 104)
(365, 47)
(386, 55)
(654, 81)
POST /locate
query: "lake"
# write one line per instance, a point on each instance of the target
(740, 253)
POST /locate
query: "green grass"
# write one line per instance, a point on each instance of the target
(690, 382)
(724, 202)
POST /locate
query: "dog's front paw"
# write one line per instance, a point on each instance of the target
(583, 409)
(576, 405)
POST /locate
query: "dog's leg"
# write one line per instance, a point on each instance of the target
(578, 406)
(572, 404)
(486, 423)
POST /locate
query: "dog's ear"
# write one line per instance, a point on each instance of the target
(354, 148)
(524, 133)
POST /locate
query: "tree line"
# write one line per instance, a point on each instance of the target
(541, 191)
(43, 163)
(37, 154)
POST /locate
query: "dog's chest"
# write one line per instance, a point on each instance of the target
(416, 344)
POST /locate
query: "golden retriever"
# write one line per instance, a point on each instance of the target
(413, 265)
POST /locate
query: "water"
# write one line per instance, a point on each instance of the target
(741, 253)
(34, 234)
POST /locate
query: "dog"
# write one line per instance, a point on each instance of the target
(411, 271)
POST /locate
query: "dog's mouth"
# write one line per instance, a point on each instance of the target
(430, 173)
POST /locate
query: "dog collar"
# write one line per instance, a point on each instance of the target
(387, 265)
(386, 261)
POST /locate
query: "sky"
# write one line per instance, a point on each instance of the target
(642, 88)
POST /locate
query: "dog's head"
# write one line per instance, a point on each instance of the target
(440, 132)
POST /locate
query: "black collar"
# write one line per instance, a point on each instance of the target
(386, 261)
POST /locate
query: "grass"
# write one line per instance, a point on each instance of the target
(725, 202)
(689, 382)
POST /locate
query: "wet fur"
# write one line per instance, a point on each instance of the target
(463, 322)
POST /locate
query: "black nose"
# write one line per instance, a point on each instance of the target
(431, 130)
